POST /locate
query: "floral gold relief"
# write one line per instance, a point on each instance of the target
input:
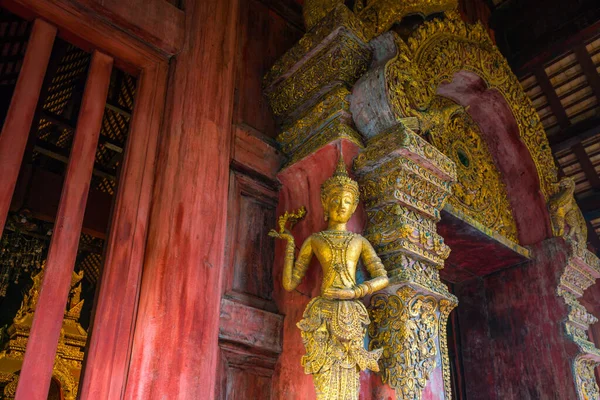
(479, 191)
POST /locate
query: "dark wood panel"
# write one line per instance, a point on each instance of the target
(245, 384)
(243, 374)
(264, 37)
(250, 251)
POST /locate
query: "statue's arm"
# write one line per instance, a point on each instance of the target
(293, 272)
(372, 262)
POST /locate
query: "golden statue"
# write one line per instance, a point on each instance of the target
(564, 212)
(334, 324)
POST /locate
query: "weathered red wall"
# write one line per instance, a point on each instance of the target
(512, 333)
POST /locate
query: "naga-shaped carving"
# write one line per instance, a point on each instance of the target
(564, 212)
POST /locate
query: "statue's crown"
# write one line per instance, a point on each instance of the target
(339, 179)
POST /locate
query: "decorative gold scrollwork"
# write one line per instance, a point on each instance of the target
(406, 327)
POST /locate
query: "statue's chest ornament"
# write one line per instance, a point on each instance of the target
(338, 243)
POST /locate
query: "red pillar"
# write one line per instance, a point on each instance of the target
(36, 373)
(17, 124)
(107, 356)
(175, 346)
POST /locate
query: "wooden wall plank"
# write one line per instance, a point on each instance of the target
(181, 283)
(17, 124)
(38, 362)
(112, 327)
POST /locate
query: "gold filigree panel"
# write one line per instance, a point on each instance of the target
(408, 326)
(439, 49)
(587, 388)
(479, 191)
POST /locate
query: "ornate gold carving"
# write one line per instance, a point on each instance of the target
(344, 60)
(307, 88)
(333, 106)
(315, 10)
(581, 271)
(446, 307)
(69, 355)
(587, 387)
(565, 214)
(335, 53)
(407, 326)
(10, 390)
(334, 324)
(379, 15)
(479, 191)
(327, 121)
(434, 53)
(404, 183)
(339, 19)
(335, 130)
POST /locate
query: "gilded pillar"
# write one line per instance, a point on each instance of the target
(405, 182)
(581, 270)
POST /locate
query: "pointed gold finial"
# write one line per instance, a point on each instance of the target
(340, 180)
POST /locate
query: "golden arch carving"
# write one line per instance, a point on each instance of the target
(479, 190)
(442, 47)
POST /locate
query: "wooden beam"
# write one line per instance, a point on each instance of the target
(118, 109)
(586, 165)
(553, 100)
(17, 124)
(589, 201)
(589, 69)
(188, 221)
(289, 10)
(36, 373)
(155, 24)
(66, 124)
(86, 29)
(59, 154)
(575, 134)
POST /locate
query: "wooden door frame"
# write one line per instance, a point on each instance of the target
(109, 347)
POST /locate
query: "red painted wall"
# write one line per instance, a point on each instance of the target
(512, 333)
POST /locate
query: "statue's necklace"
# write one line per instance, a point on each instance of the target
(338, 247)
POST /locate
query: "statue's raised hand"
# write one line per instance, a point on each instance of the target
(285, 235)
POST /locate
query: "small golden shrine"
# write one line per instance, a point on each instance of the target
(69, 356)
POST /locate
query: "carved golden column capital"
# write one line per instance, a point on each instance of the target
(308, 88)
(405, 182)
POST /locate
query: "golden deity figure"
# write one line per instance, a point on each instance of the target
(334, 324)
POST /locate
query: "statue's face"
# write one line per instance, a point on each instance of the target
(341, 204)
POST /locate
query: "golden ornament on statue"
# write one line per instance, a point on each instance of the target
(334, 324)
